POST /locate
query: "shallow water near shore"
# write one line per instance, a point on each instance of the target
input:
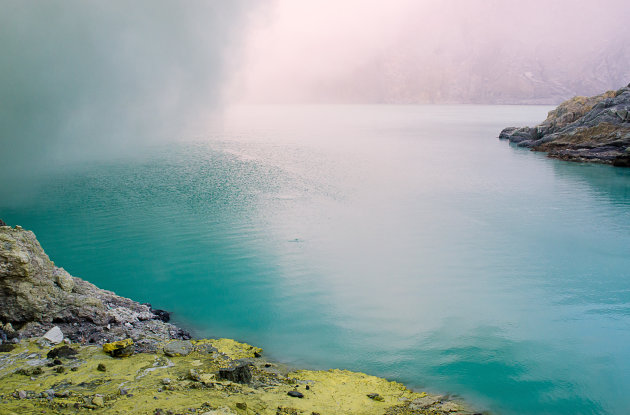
(402, 241)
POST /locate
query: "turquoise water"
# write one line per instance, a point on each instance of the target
(402, 241)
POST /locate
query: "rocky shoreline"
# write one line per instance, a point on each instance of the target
(67, 346)
(583, 129)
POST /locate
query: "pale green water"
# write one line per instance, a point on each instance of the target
(403, 241)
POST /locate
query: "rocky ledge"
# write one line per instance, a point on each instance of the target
(67, 346)
(584, 129)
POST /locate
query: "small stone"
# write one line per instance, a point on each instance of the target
(178, 348)
(425, 402)
(60, 369)
(54, 335)
(449, 407)
(67, 341)
(62, 394)
(375, 396)
(57, 362)
(98, 401)
(123, 391)
(206, 348)
(121, 348)
(295, 394)
(239, 374)
(241, 405)
(74, 369)
(220, 411)
(194, 375)
(6, 347)
(63, 351)
(64, 280)
(9, 328)
(166, 381)
(21, 394)
(101, 367)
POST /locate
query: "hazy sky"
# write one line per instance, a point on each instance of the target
(88, 77)
(367, 50)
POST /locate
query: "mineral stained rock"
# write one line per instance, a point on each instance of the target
(584, 129)
(37, 295)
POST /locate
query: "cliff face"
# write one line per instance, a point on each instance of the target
(35, 295)
(586, 129)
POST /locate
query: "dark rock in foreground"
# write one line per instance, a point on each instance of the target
(240, 374)
(594, 129)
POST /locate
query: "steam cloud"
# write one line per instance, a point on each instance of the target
(81, 77)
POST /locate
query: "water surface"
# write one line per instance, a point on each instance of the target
(402, 241)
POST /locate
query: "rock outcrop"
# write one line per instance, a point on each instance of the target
(585, 129)
(36, 295)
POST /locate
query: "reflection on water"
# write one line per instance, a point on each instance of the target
(402, 241)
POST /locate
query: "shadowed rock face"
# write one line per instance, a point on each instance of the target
(586, 129)
(35, 295)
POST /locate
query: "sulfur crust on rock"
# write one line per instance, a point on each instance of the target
(120, 344)
(236, 350)
(141, 377)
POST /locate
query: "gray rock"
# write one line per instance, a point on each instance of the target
(375, 397)
(425, 402)
(239, 374)
(206, 348)
(584, 129)
(178, 348)
(54, 335)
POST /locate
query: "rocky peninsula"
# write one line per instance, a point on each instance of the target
(583, 129)
(67, 346)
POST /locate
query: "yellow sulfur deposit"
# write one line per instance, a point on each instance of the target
(150, 383)
(121, 348)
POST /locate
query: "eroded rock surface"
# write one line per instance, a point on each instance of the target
(36, 295)
(584, 129)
